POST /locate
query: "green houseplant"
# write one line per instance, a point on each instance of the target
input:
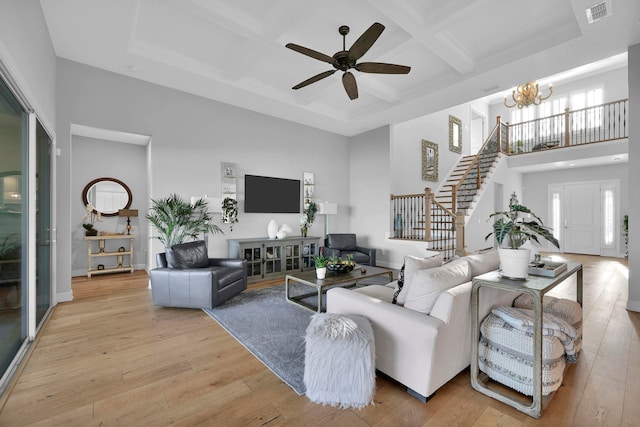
(307, 218)
(320, 262)
(176, 220)
(229, 211)
(514, 228)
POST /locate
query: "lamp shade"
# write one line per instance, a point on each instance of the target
(327, 208)
(128, 212)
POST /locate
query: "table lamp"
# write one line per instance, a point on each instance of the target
(128, 213)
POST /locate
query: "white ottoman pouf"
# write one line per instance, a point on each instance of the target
(340, 360)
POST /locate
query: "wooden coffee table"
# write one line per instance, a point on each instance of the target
(331, 280)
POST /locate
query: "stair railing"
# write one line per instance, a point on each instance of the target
(494, 137)
(421, 217)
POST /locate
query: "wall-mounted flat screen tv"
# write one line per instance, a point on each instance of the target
(263, 194)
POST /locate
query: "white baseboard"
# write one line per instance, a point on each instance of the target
(633, 305)
(64, 297)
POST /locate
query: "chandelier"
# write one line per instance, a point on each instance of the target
(527, 94)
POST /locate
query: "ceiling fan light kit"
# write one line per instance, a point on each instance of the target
(345, 60)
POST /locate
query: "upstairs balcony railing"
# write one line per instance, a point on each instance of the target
(600, 123)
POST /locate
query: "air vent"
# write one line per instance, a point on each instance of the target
(599, 11)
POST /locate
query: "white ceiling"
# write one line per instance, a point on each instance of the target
(234, 51)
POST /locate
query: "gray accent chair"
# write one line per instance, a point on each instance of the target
(186, 277)
(341, 245)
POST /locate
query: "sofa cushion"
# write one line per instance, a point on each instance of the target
(188, 255)
(483, 262)
(411, 265)
(426, 285)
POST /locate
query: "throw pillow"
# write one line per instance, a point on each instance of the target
(483, 262)
(410, 266)
(188, 255)
(427, 285)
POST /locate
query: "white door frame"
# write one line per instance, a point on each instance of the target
(613, 249)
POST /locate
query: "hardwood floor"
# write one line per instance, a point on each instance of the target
(111, 358)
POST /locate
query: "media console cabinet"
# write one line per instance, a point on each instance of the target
(271, 258)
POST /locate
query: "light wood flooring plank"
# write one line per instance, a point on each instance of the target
(111, 358)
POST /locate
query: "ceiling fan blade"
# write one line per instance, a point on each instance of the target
(366, 40)
(382, 68)
(314, 79)
(310, 52)
(349, 83)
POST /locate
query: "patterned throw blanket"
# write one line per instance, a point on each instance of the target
(522, 319)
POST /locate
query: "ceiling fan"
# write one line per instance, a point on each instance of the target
(345, 59)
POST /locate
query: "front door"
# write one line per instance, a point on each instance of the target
(582, 219)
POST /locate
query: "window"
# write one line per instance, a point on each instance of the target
(555, 215)
(589, 118)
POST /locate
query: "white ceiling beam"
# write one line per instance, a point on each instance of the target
(407, 16)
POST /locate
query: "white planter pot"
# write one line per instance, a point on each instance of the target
(514, 263)
(321, 272)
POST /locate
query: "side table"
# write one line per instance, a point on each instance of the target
(536, 286)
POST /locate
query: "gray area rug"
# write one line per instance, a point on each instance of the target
(271, 328)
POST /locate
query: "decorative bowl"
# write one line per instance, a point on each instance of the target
(339, 268)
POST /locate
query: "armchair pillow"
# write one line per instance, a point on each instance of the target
(342, 242)
(188, 255)
(427, 285)
(411, 265)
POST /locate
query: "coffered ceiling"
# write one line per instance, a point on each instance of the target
(234, 51)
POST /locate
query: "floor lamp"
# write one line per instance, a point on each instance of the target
(327, 209)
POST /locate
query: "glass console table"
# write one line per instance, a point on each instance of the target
(536, 286)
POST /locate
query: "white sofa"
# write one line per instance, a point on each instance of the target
(423, 351)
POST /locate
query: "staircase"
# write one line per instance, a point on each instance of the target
(440, 218)
(466, 180)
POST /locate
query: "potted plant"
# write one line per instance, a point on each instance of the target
(229, 211)
(307, 218)
(176, 220)
(321, 265)
(90, 218)
(514, 228)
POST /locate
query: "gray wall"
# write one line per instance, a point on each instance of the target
(27, 51)
(369, 190)
(97, 158)
(190, 136)
(634, 177)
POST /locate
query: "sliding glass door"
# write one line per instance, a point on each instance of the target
(13, 226)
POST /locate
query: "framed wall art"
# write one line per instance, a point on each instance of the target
(429, 161)
(455, 134)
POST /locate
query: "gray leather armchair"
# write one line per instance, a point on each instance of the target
(341, 245)
(186, 277)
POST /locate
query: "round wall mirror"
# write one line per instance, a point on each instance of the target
(107, 196)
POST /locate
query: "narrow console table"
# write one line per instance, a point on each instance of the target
(536, 286)
(104, 250)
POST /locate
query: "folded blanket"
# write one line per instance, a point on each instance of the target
(522, 319)
(567, 310)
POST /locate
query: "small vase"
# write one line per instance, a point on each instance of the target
(321, 272)
(92, 232)
(303, 231)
